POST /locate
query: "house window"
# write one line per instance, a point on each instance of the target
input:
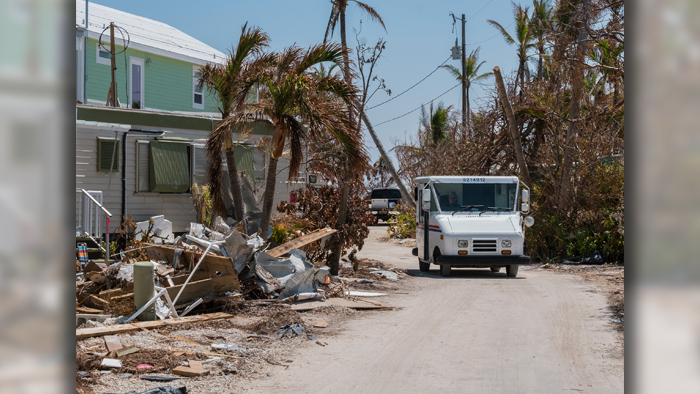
(164, 166)
(103, 56)
(197, 92)
(107, 154)
(136, 84)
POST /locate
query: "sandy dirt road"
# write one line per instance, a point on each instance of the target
(474, 332)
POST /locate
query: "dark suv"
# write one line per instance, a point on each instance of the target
(383, 202)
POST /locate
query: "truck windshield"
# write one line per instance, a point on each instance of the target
(468, 197)
(385, 193)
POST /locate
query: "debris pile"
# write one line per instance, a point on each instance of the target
(201, 277)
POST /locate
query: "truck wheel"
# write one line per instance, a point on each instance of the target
(495, 269)
(425, 267)
(445, 270)
(512, 270)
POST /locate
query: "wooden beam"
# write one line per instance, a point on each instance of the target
(83, 333)
(211, 263)
(301, 241)
(203, 288)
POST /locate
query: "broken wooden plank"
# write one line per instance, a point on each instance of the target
(301, 241)
(195, 369)
(212, 263)
(180, 279)
(179, 353)
(83, 333)
(359, 304)
(113, 343)
(89, 311)
(108, 294)
(127, 350)
(203, 288)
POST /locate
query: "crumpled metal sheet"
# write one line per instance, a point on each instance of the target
(238, 249)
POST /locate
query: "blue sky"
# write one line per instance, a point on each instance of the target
(418, 38)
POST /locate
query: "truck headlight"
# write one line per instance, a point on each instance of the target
(463, 243)
(506, 243)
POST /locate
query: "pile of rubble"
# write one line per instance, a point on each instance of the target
(204, 273)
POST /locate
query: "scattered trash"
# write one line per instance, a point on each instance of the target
(105, 372)
(291, 330)
(387, 274)
(127, 350)
(126, 375)
(195, 369)
(363, 294)
(225, 346)
(321, 324)
(164, 390)
(161, 231)
(144, 366)
(617, 320)
(112, 342)
(403, 241)
(159, 378)
(111, 363)
(594, 259)
(84, 374)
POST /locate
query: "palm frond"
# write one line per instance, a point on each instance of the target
(503, 31)
(371, 12)
(454, 71)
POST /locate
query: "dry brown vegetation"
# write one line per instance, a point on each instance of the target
(575, 161)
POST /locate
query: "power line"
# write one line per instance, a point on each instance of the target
(482, 8)
(416, 84)
(414, 110)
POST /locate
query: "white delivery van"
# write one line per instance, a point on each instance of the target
(471, 221)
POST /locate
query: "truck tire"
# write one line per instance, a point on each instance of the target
(495, 269)
(445, 270)
(425, 267)
(512, 270)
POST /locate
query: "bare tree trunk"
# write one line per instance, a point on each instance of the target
(235, 181)
(270, 184)
(575, 109)
(525, 175)
(407, 197)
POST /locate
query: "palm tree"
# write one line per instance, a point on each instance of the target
(540, 25)
(292, 95)
(523, 39)
(471, 71)
(338, 14)
(228, 82)
(434, 124)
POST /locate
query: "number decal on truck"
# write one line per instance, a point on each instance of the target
(470, 180)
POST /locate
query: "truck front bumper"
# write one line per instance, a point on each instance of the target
(482, 261)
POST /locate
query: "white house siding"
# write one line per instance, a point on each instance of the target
(177, 208)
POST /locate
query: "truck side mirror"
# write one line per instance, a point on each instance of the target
(525, 196)
(426, 199)
(528, 221)
(525, 207)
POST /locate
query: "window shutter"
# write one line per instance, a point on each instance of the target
(169, 170)
(243, 155)
(105, 148)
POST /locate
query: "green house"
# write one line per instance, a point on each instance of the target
(156, 64)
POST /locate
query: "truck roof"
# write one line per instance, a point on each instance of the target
(467, 178)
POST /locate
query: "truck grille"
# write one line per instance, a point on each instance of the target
(484, 245)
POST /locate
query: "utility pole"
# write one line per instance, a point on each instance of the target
(464, 78)
(455, 56)
(113, 87)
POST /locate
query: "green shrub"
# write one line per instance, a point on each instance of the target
(402, 225)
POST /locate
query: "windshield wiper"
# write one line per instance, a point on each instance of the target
(463, 207)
